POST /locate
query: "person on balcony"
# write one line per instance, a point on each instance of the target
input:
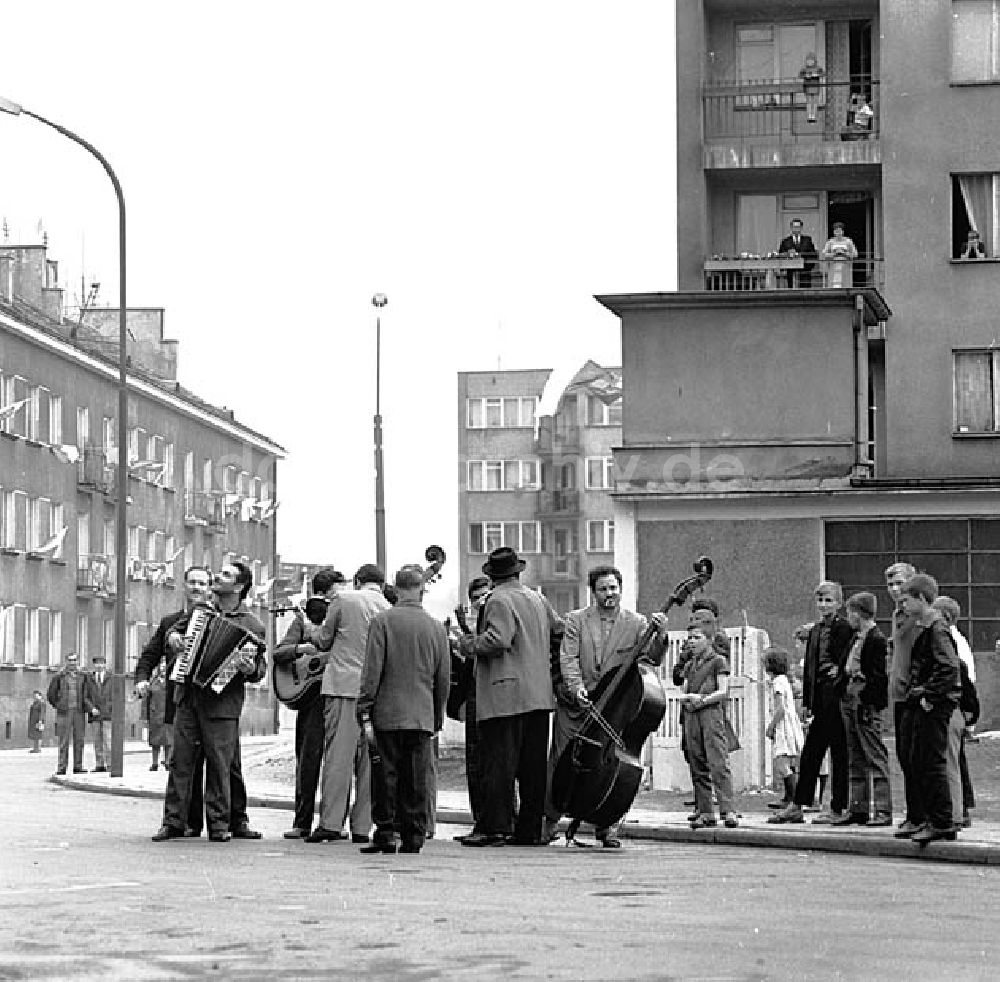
(839, 252)
(796, 244)
(811, 74)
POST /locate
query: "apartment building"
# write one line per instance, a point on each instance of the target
(539, 482)
(805, 416)
(201, 488)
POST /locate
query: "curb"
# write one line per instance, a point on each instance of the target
(857, 843)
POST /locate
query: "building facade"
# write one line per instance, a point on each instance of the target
(538, 483)
(823, 413)
(201, 489)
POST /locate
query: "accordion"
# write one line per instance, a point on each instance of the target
(212, 650)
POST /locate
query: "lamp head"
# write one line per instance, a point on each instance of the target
(7, 106)
(379, 300)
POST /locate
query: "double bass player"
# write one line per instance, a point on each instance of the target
(597, 640)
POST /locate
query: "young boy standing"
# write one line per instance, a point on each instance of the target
(865, 696)
(826, 654)
(934, 693)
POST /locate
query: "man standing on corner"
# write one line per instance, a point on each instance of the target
(513, 702)
(598, 639)
(404, 687)
(100, 710)
(344, 634)
(69, 696)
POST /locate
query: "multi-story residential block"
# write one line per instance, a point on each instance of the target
(201, 488)
(823, 415)
(538, 483)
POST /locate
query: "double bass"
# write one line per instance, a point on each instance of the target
(598, 775)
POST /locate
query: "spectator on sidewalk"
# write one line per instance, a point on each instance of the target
(154, 711)
(36, 721)
(100, 712)
(934, 695)
(784, 728)
(69, 696)
(864, 697)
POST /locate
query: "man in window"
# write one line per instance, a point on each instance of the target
(973, 248)
(795, 244)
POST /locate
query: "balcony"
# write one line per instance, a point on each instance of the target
(95, 574)
(561, 502)
(758, 273)
(768, 125)
(557, 440)
(549, 568)
(207, 508)
(94, 471)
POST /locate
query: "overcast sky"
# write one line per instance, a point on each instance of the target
(487, 166)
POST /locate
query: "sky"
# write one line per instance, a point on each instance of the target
(488, 167)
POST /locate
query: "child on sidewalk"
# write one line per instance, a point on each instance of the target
(705, 693)
(865, 696)
(784, 728)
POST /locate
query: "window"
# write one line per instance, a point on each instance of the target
(55, 637)
(769, 53)
(601, 536)
(108, 640)
(977, 381)
(974, 32)
(230, 479)
(8, 632)
(484, 537)
(599, 413)
(83, 534)
(502, 475)
(55, 419)
(15, 391)
(82, 643)
(31, 626)
(108, 437)
(206, 475)
(508, 411)
(600, 473)
(82, 428)
(975, 205)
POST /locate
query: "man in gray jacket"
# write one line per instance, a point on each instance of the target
(513, 702)
(404, 688)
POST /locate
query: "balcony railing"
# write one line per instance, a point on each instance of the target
(205, 508)
(768, 115)
(754, 273)
(557, 439)
(560, 501)
(95, 573)
(94, 471)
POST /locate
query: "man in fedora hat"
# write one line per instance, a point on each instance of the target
(513, 702)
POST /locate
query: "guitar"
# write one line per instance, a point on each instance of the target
(297, 679)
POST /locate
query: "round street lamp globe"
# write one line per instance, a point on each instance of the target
(379, 300)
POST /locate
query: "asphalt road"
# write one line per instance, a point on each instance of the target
(85, 894)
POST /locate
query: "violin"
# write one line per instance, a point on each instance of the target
(598, 775)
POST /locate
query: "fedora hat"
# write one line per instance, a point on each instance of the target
(503, 562)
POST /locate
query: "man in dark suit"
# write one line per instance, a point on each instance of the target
(513, 702)
(404, 687)
(99, 681)
(797, 244)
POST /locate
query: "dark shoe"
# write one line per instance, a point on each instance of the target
(168, 832)
(689, 802)
(778, 805)
(223, 836)
(966, 821)
(34, 751)
(610, 842)
(881, 819)
(320, 834)
(930, 833)
(153, 767)
(190, 833)
(245, 832)
(849, 818)
(792, 815)
(373, 848)
(79, 770)
(522, 840)
(409, 848)
(479, 839)
(828, 817)
(101, 769)
(60, 773)
(359, 840)
(731, 820)
(906, 829)
(296, 834)
(703, 822)
(693, 815)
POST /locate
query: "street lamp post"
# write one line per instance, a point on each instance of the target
(378, 302)
(121, 478)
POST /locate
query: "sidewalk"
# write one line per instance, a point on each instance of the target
(979, 845)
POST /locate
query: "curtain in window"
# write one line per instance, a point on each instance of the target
(972, 40)
(978, 195)
(973, 392)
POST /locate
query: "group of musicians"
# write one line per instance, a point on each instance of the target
(509, 670)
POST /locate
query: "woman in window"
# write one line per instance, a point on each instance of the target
(839, 253)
